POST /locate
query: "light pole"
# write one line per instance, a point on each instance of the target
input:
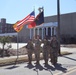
(58, 18)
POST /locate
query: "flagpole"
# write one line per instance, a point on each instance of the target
(34, 27)
(34, 33)
(17, 45)
(17, 49)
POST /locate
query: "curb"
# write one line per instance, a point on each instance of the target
(16, 59)
(22, 58)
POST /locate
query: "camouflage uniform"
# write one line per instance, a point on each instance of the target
(30, 49)
(37, 47)
(46, 48)
(54, 50)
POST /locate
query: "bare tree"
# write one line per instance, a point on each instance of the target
(3, 41)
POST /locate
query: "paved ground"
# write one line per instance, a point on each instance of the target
(66, 64)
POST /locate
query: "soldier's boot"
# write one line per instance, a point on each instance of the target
(37, 59)
(37, 62)
(29, 60)
(54, 62)
(46, 61)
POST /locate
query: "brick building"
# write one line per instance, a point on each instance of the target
(5, 27)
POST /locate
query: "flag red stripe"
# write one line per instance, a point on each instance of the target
(29, 20)
(23, 20)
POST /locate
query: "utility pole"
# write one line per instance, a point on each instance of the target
(58, 18)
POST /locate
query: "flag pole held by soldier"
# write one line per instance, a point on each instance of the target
(30, 50)
(37, 47)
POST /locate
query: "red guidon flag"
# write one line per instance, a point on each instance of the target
(27, 20)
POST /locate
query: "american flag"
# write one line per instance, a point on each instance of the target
(27, 20)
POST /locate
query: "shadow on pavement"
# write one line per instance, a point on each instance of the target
(48, 67)
(30, 66)
(38, 66)
(59, 67)
(12, 67)
(69, 58)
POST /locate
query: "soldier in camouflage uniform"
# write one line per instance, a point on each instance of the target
(37, 47)
(46, 48)
(50, 51)
(54, 50)
(30, 49)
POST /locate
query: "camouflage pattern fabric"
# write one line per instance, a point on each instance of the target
(37, 47)
(54, 51)
(30, 49)
(46, 48)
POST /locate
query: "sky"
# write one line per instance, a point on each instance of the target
(14, 10)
